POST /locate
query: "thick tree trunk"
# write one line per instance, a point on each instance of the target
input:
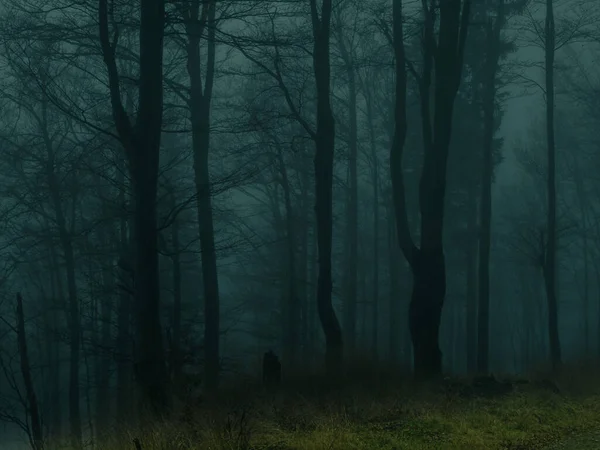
(427, 262)
(425, 311)
(149, 368)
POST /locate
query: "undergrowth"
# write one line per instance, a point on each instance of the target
(376, 412)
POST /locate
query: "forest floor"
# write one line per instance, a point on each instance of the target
(586, 441)
(378, 412)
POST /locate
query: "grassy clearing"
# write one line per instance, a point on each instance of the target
(400, 417)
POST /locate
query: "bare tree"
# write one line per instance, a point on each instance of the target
(32, 403)
(199, 19)
(445, 55)
(574, 26)
(141, 142)
(325, 143)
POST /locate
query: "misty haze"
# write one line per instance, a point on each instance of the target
(299, 224)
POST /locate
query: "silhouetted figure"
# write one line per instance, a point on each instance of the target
(271, 369)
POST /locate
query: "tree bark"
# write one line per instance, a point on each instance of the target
(323, 162)
(351, 287)
(176, 353)
(427, 262)
(471, 251)
(141, 142)
(291, 318)
(74, 319)
(32, 403)
(550, 263)
(489, 107)
(197, 21)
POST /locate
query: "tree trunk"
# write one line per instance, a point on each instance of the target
(375, 181)
(199, 104)
(325, 143)
(304, 270)
(37, 438)
(124, 350)
(351, 287)
(427, 262)
(291, 318)
(489, 106)
(103, 401)
(425, 311)
(471, 264)
(176, 354)
(74, 318)
(550, 263)
(393, 274)
(141, 142)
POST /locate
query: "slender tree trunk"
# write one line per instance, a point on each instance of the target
(368, 94)
(176, 358)
(53, 346)
(103, 402)
(200, 103)
(313, 282)
(37, 438)
(583, 208)
(586, 288)
(550, 256)
(141, 142)
(393, 274)
(124, 350)
(305, 269)
(471, 250)
(292, 317)
(325, 144)
(74, 320)
(375, 299)
(350, 297)
(493, 39)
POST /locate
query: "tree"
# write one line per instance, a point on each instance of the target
(324, 138)
(549, 266)
(141, 142)
(550, 38)
(32, 403)
(198, 20)
(445, 55)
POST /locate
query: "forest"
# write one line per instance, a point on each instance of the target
(299, 224)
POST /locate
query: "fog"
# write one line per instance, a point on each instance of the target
(182, 192)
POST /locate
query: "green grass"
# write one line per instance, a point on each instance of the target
(395, 417)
